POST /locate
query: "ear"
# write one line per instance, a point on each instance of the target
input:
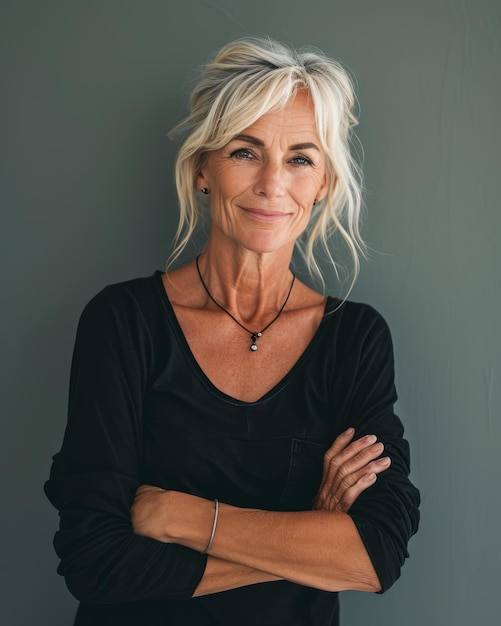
(322, 191)
(201, 180)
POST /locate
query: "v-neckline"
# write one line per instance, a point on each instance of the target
(185, 346)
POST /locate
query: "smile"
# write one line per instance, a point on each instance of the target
(265, 216)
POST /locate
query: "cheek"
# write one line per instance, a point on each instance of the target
(305, 217)
(304, 194)
(221, 208)
(227, 178)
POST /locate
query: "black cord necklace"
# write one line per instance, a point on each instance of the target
(254, 335)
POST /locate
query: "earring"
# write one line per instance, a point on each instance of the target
(204, 190)
(314, 202)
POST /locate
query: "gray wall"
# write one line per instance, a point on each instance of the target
(90, 88)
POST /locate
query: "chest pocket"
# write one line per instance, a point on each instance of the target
(305, 472)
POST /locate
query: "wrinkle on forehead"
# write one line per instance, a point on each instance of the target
(295, 123)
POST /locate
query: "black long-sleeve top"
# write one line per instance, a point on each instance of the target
(142, 411)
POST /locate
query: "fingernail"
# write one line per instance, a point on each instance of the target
(370, 439)
(349, 431)
(370, 478)
(384, 461)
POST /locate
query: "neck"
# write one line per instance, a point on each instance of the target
(251, 286)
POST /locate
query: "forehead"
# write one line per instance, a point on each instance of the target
(297, 119)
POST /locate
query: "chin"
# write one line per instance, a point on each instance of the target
(267, 245)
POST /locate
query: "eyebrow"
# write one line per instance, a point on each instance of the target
(257, 142)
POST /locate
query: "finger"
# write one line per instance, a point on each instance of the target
(366, 480)
(342, 498)
(360, 460)
(379, 465)
(356, 483)
(342, 455)
(351, 460)
(338, 445)
(350, 495)
(342, 440)
(374, 467)
(346, 476)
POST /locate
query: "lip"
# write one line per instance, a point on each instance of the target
(264, 215)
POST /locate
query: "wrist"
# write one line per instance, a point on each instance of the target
(191, 521)
(214, 526)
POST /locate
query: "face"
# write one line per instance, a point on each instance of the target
(264, 182)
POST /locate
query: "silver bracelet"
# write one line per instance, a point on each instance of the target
(214, 524)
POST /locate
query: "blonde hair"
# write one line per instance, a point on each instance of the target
(248, 78)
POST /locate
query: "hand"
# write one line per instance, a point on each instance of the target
(350, 467)
(148, 512)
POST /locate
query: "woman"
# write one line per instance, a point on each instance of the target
(231, 454)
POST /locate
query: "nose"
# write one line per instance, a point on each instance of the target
(271, 180)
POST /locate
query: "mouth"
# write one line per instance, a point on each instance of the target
(264, 215)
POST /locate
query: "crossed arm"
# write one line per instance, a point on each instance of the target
(319, 548)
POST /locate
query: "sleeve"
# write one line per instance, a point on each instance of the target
(386, 514)
(95, 475)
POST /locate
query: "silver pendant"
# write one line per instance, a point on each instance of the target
(254, 338)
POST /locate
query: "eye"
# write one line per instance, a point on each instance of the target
(242, 153)
(301, 160)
